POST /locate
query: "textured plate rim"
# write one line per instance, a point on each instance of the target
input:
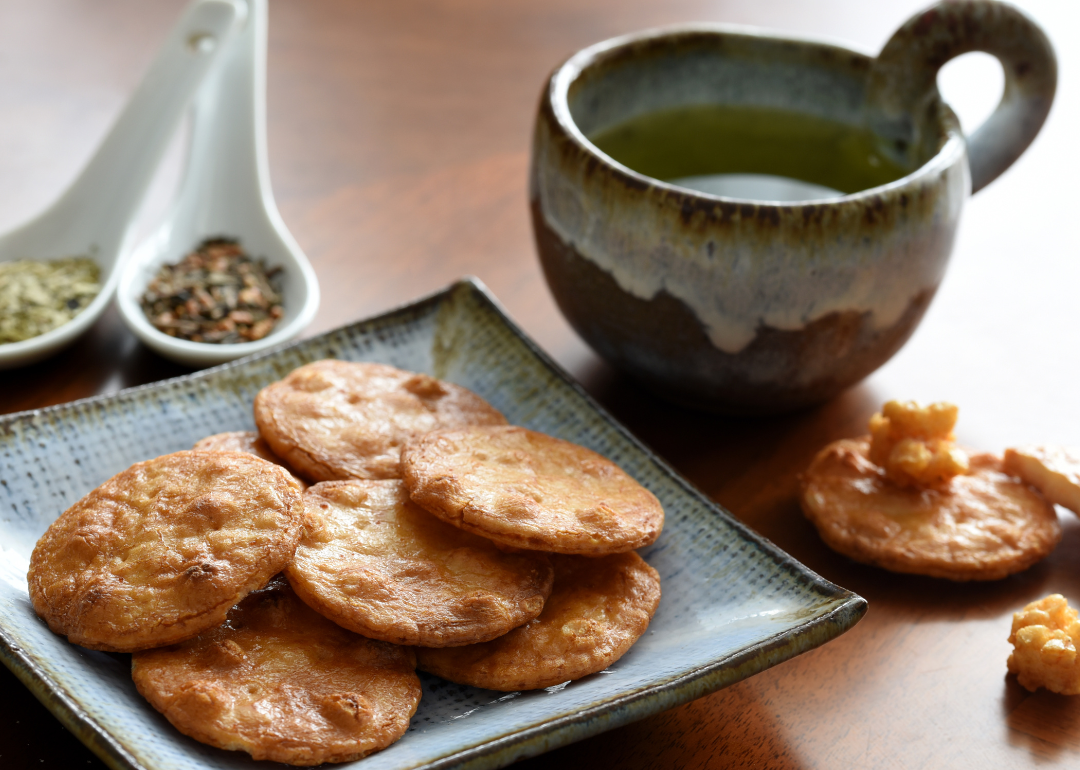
(548, 734)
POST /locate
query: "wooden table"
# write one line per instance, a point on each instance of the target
(399, 134)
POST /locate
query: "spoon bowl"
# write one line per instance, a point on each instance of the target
(95, 215)
(225, 193)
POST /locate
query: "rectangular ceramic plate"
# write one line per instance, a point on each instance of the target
(733, 604)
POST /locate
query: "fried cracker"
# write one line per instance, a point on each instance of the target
(1054, 471)
(980, 526)
(528, 490)
(335, 420)
(376, 563)
(161, 551)
(914, 445)
(1045, 636)
(243, 441)
(283, 683)
(598, 608)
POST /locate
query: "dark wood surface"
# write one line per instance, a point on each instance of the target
(399, 135)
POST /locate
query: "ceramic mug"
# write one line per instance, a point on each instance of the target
(741, 305)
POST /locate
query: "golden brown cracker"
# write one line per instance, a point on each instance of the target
(1045, 635)
(980, 526)
(283, 683)
(525, 489)
(914, 445)
(161, 551)
(598, 608)
(243, 441)
(334, 420)
(1054, 471)
(376, 563)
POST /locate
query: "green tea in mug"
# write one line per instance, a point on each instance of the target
(758, 153)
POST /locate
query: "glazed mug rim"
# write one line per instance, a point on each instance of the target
(952, 149)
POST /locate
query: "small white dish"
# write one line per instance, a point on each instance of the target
(94, 216)
(225, 192)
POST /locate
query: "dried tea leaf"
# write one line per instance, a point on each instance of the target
(38, 296)
(217, 293)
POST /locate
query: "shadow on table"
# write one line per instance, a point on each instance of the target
(1045, 723)
(695, 736)
(93, 365)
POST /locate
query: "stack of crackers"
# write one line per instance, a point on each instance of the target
(278, 589)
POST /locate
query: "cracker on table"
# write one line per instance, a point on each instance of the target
(283, 683)
(1045, 636)
(162, 550)
(598, 608)
(335, 420)
(376, 563)
(247, 441)
(1054, 471)
(525, 489)
(981, 526)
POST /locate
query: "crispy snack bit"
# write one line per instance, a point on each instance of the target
(283, 683)
(525, 489)
(915, 445)
(335, 420)
(1054, 471)
(597, 610)
(983, 525)
(161, 551)
(1045, 636)
(376, 563)
(247, 441)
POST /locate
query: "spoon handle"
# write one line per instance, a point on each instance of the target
(226, 184)
(226, 179)
(226, 188)
(106, 195)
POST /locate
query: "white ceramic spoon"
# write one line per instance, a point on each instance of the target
(94, 216)
(226, 192)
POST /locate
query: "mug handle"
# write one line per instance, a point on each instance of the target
(903, 79)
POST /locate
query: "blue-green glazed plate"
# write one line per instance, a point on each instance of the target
(733, 604)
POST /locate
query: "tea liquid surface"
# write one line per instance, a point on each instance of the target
(759, 153)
